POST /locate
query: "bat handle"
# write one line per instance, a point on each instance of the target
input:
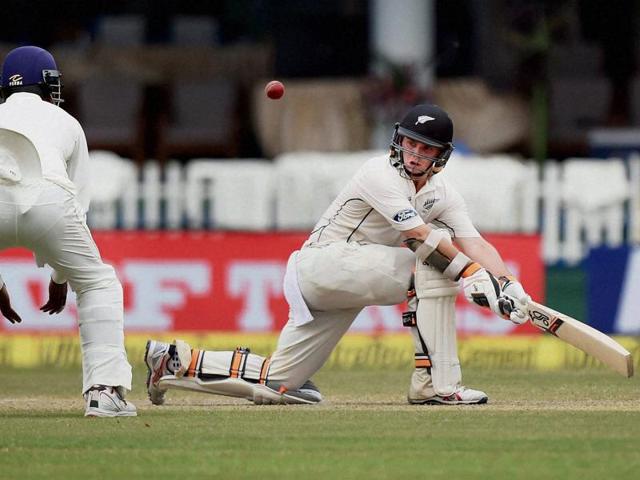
(505, 305)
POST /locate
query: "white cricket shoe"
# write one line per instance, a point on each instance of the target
(462, 396)
(164, 359)
(106, 401)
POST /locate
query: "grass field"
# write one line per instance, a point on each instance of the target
(567, 424)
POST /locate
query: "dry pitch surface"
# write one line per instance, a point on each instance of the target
(568, 424)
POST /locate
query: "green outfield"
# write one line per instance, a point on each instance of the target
(562, 424)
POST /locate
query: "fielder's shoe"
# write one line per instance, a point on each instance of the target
(164, 359)
(106, 401)
(462, 396)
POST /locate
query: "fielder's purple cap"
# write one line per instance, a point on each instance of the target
(24, 66)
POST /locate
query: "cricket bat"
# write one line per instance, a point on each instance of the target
(582, 336)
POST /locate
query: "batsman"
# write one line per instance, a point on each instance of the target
(357, 256)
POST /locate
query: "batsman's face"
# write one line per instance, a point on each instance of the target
(417, 156)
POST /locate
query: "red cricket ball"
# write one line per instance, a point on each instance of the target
(274, 89)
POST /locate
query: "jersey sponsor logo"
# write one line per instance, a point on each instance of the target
(424, 119)
(15, 80)
(404, 215)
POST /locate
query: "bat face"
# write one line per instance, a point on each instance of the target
(582, 336)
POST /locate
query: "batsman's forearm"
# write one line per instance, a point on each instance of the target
(433, 247)
(58, 277)
(417, 236)
(483, 252)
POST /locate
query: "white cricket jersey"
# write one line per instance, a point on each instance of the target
(58, 138)
(377, 204)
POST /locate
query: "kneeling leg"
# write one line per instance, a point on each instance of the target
(237, 373)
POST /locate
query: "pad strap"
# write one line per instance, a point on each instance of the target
(409, 317)
(195, 367)
(238, 362)
(423, 360)
(264, 371)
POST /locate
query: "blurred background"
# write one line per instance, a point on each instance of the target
(203, 186)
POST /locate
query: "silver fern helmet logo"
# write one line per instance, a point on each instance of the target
(424, 119)
(15, 80)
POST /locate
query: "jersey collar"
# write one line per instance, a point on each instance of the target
(23, 96)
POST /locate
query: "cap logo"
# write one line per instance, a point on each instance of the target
(424, 119)
(15, 80)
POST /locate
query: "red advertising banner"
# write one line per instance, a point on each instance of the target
(199, 281)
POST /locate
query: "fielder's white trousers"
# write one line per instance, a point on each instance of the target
(337, 281)
(47, 220)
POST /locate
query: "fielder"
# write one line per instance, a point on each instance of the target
(354, 258)
(44, 197)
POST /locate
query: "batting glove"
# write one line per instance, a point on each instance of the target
(514, 301)
(482, 288)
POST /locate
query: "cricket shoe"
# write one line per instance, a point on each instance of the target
(164, 359)
(274, 394)
(106, 401)
(462, 396)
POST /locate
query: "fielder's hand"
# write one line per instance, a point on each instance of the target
(514, 301)
(57, 298)
(482, 288)
(5, 306)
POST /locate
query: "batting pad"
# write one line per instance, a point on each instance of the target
(217, 365)
(436, 329)
(237, 374)
(229, 387)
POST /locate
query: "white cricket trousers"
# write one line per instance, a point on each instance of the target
(337, 281)
(47, 220)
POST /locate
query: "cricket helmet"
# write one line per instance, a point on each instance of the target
(32, 69)
(427, 124)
